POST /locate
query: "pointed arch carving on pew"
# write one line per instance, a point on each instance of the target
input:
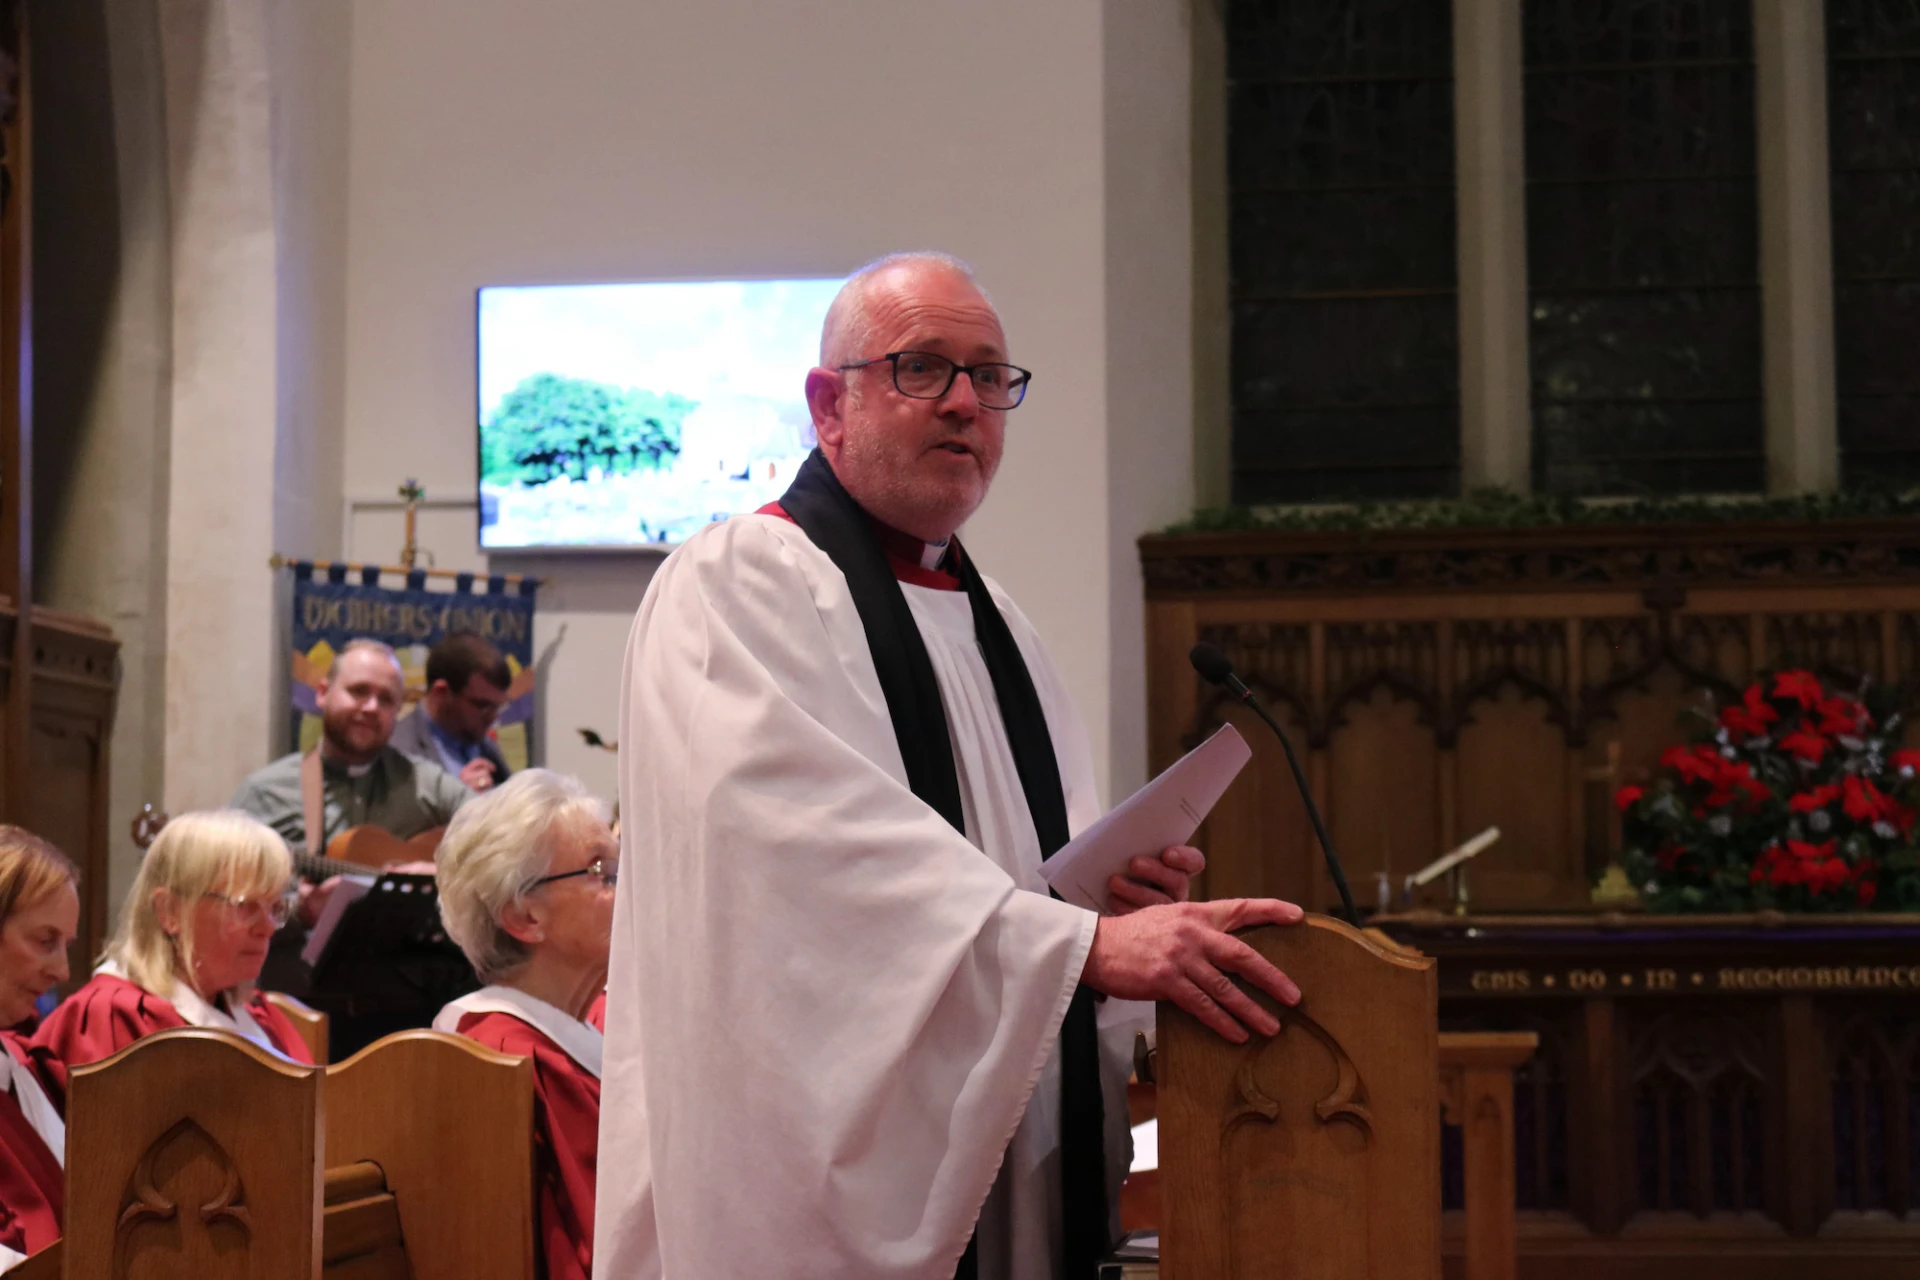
(148, 1201)
(204, 1120)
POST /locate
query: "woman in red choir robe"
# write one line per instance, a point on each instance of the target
(193, 934)
(526, 876)
(39, 913)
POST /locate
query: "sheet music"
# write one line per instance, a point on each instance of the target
(1165, 812)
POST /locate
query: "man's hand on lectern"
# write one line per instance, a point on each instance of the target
(1185, 952)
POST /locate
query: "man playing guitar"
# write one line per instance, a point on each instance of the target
(354, 780)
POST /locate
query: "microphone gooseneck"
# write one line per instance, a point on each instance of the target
(1215, 668)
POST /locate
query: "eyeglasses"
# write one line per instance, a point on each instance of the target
(276, 910)
(922, 375)
(600, 869)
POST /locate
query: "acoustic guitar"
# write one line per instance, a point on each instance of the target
(353, 852)
(358, 850)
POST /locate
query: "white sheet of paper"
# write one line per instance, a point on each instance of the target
(1159, 815)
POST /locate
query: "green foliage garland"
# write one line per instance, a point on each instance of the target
(1502, 509)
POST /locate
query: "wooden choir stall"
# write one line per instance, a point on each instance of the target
(195, 1153)
(1711, 1096)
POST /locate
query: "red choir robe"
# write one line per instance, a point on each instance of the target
(109, 1013)
(597, 1013)
(32, 1181)
(566, 1114)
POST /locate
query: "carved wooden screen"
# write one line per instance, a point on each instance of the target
(1643, 246)
(1445, 681)
(1341, 180)
(1873, 129)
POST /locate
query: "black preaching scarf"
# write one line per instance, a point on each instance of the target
(837, 525)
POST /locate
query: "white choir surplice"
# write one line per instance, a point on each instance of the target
(830, 1015)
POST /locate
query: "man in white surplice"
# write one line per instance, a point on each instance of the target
(834, 1021)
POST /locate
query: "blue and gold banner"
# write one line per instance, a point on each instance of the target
(332, 605)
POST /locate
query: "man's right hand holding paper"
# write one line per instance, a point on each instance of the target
(1185, 952)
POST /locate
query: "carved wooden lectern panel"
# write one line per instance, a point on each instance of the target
(1313, 1154)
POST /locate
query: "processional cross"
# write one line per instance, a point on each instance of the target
(411, 493)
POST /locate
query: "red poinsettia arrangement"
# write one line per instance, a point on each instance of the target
(1796, 797)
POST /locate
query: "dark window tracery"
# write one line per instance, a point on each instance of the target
(1345, 360)
(1873, 144)
(1642, 246)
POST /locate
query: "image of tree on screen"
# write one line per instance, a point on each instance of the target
(551, 425)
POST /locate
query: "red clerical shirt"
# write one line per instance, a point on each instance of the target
(907, 554)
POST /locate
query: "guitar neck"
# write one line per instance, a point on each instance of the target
(312, 866)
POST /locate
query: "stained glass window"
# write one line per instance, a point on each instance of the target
(1873, 137)
(1345, 355)
(1643, 246)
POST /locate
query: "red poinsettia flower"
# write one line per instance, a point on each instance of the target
(1808, 852)
(1751, 718)
(1861, 800)
(1842, 715)
(1867, 890)
(1829, 875)
(1699, 763)
(1626, 797)
(1802, 686)
(1735, 778)
(1904, 760)
(1804, 744)
(1816, 798)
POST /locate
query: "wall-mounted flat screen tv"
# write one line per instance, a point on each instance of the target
(624, 415)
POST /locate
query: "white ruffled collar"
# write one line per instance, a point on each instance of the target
(39, 1110)
(198, 1012)
(579, 1040)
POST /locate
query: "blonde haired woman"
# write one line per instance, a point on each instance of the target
(526, 876)
(193, 934)
(39, 912)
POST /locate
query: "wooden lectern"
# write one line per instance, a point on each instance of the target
(1315, 1154)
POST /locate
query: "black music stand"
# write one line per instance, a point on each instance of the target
(388, 965)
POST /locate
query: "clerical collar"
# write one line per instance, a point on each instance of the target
(331, 765)
(915, 562)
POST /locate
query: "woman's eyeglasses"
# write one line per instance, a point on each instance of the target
(275, 909)
(600, 869)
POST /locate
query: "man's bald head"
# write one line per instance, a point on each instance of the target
(918, 463)
(849, 324)
(362, 644)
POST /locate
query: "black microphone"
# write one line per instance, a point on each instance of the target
(1214, 668)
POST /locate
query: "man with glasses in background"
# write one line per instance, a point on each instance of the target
(467, 683)
(849, 1033)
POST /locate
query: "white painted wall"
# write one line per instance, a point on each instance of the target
(1150, 370)
(220, 504)
(504, 141)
